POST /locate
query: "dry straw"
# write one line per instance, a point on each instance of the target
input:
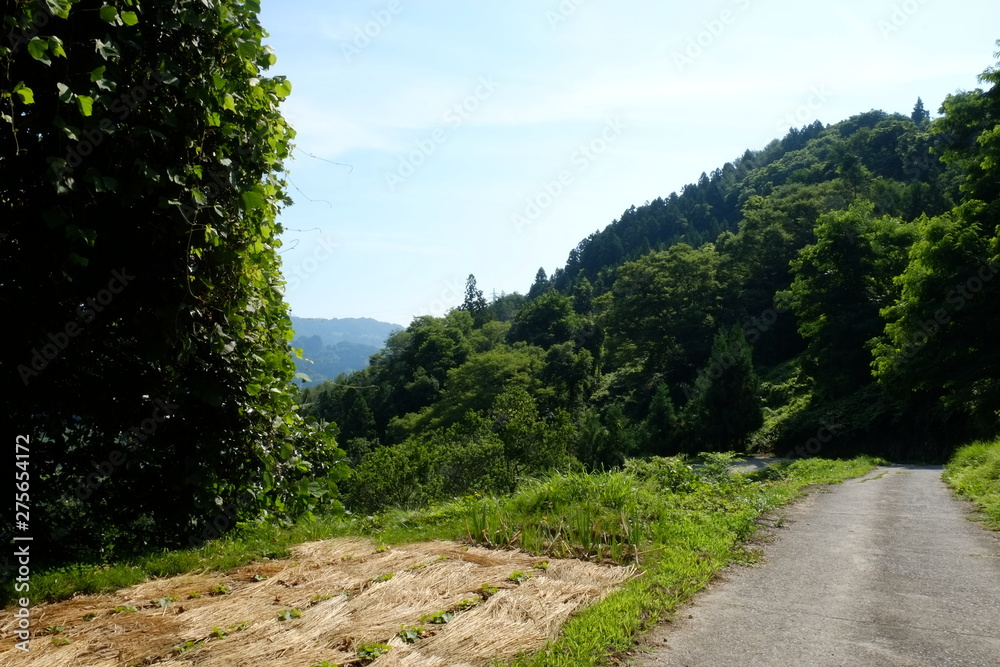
(333, 597)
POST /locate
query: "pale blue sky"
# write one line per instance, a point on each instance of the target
(456, 115)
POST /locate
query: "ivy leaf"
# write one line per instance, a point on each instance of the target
(65, 94)
(106, 49)
(229, 103)
(59, 8)
(97, 73)
(283, 89)
(109, 13)
(56, 47)
(85, 104)
(26, 94)
(37, 47)
(130, 18)
(252, 200)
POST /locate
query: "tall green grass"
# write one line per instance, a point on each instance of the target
(974, 472)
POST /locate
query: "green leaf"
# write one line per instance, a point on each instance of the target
(253, 389)
(56, 47)
(283, 89)
(98, 73)
(59, 8)
(109, 13)
(130, 18)
(38, 47)
(26, 94)
(229, 103)
(65, 94)
(252, 200)
(85, 104)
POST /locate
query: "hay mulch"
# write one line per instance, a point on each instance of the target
(346, 599)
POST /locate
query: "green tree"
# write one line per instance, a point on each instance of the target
(661, 423)
(842, 282)
(140, 180)
(545, 321)
(664, 308)
(920, 116)
(475, 304)
(541, 285)
(726, 407)
(938, 345)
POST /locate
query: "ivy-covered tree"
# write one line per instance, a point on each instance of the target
(141, 150)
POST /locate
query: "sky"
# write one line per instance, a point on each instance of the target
(442, 138)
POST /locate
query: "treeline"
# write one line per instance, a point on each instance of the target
(831, 293)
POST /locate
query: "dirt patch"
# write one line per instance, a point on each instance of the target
(334, 596)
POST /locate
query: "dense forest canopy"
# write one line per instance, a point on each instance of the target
(831, 292)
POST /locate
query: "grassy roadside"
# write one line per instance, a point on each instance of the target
(974, 472)
(695, 533)
(679, 525)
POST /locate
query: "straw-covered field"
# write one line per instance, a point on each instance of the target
(332, 601)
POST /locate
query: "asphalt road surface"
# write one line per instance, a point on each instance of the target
(883, 570)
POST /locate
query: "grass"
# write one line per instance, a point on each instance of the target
(679, 525)
(974, 472)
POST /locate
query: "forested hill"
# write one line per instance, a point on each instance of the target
(830, 293)
(888, 152)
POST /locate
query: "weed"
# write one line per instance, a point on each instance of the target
(437, 617)
(411, 633)
(89, 617)
(486, 590)
(193, 595)
(543, 565)
(289, 614)
(218, 633)
(219, 589)
(188, 645)
(467, 604)
(369, 652)
(123, 609)
(517, 576)
(382, 577)
(55, 629)
(325, 663)
(61, 641)
(316, 599)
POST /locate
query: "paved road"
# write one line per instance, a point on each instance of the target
(884, 570)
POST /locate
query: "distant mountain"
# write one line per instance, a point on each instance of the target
(334, 346)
